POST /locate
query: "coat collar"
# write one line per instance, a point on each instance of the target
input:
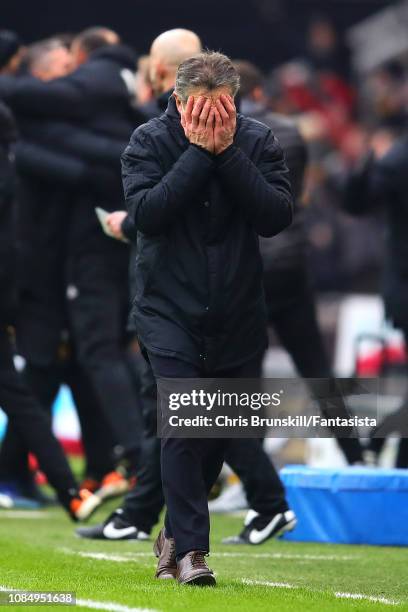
(175, 126)
(171, 110)
(163, 100)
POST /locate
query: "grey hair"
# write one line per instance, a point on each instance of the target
(208, 70)
(37, 51)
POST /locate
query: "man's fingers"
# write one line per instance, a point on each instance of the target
(189, 109)
(217, 118)
(210, 119)
(223, 113)
(229, 105)
(198, 107)
(205, 112)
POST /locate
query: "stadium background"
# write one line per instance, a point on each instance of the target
(275, 32)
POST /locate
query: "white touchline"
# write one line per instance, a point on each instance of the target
(108, 605)
(384, 600)
(24, 514)
(130, 556)
(127, 556)
(109, 556)
(357, 596)
(291, 557)
(278, 585)
(94, 605)
(4, 588)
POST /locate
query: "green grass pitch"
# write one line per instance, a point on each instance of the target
(41, 553)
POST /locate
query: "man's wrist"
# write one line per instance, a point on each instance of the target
(127, 227)
(225, 152)
(203, 149)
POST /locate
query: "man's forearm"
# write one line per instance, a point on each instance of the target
(62, 98)
(129, 229)
(267, 203)
(154, 208)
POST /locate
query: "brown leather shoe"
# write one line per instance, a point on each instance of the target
(193, 569)
(165, 550)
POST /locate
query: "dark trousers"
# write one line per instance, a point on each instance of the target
(44, 382)
(97, 309)
(263, 487)
(402, 456)
(190, 466)
(144, 503)
(295, 322)
(30, 421)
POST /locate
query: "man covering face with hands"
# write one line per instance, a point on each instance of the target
(209, 119)
(201, 184)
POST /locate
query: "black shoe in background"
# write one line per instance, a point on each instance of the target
(259, 528)
(116, 527)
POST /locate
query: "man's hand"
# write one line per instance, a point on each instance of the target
(114, 222)
(198, 122)
(225, 123)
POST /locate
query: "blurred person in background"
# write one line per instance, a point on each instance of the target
(318, 81)
(289, 296)
(142, 506)
(381, 181)
(48, 60)
(97, 99)
(344, 254)
(325, 49)
(383, 96)
(144, 89)
(330, 98)
(90, 40)
(47, 185)
(25, 414)
(168, 50)
(11, 52)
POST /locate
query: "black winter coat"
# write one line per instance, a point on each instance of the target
(199, 293)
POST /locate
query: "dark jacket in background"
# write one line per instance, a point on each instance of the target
(384, 183)
(284, 257)
(98, 98)
(8, 136)
(288, 249)
(199, 290)
(156, 106)
(98, 93)
(73, 131)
